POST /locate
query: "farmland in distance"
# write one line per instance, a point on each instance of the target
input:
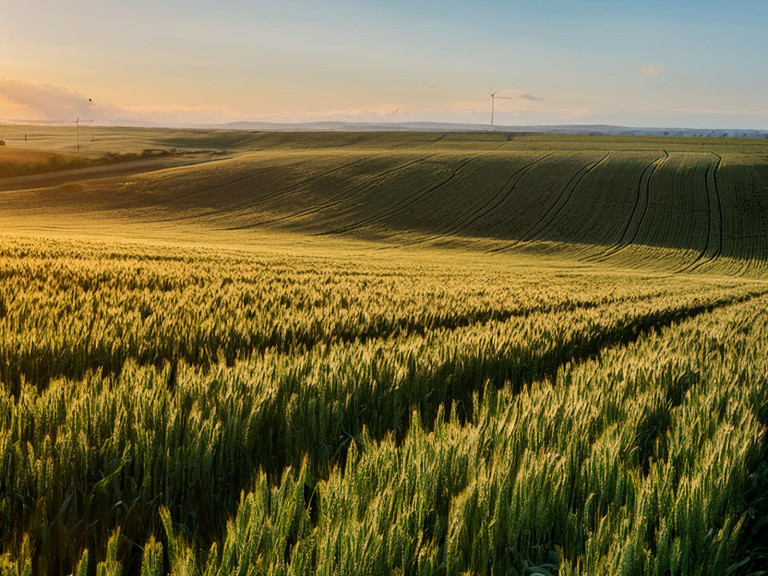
(382, 353)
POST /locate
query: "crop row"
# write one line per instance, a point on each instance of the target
(81, 457)
(63, 314)
(634, 462)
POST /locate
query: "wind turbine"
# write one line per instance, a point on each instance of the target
(493, 102)
(77, 127)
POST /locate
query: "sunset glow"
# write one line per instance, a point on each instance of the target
(696, 64)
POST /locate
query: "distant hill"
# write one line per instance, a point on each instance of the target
(584, 129)
(340, 126)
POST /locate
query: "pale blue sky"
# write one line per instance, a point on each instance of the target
(650, 63)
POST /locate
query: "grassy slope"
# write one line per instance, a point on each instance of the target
(625, 201)
(386, 341)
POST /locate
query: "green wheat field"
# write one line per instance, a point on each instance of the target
(382, 353)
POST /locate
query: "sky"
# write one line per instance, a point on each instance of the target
(673, 63)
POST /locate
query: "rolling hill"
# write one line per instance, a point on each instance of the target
(675, 203)
(411, 353)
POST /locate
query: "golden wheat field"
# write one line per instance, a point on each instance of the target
(332, 353)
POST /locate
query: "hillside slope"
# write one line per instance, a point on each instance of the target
(681, 204)
(386, 354)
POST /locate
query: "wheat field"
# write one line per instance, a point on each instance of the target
(382, 353)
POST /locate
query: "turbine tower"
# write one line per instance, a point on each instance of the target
(493, 103)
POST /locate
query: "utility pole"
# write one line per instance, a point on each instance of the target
(77, 128)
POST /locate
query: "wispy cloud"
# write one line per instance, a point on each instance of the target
(517, 94)
(28, 100)
(650, 69)
(45, 101)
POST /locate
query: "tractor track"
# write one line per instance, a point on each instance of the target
(249, 176)
(557, 206)
(208, 190)
(340, 198)
(713, 196)
(500, 198)
(275, 193)
(405, 203)
(643, 184)
(436, 140)
(233, 208)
